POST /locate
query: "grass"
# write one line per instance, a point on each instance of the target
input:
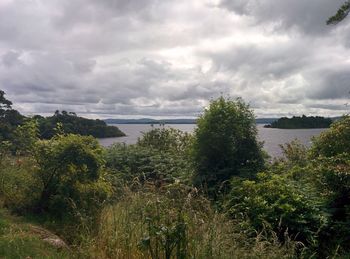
(19, 239)
(176, 224)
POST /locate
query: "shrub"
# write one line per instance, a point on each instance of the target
(166, 140)
(225, 144)
(144, 164)
(333, 178)
(70, 169)
(333, 141)
(276, 201)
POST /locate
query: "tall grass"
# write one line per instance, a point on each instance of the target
(176, 222)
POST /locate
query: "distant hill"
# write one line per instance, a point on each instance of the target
(303, 122)
(172, 121)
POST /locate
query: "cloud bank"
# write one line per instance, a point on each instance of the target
(162, 58)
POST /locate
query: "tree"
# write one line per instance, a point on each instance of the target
(9, 118)
(334, 141)
(70, 170)
(4, 103)
(341, 14)
(225, 144)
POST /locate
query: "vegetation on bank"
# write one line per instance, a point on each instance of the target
(68, 122)
(213, 194)
(303, 122)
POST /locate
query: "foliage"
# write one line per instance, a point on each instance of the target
(71, 123)
(333, 141)
(144, 164)
(9, 118)
(225, 144)
(19, 190)
(278, 201)
(303, 122)
(175, 223)
(294, 153)
(333, 179)
(341, 14)
(166, 140)
(25, 137)
(70, 169)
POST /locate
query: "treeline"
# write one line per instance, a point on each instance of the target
(71, 123)
(68, 122)
(303, 122)
(210, 194)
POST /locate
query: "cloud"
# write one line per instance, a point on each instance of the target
(169, 58)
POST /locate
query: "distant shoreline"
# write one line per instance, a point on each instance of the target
(173, 121)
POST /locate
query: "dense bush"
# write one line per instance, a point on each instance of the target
(334, 141)
(225, 144)
(279, 202)
(70, 169)
(166, 140)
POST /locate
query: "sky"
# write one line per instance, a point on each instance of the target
(166, 58)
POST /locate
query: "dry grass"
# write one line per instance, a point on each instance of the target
(175, 223)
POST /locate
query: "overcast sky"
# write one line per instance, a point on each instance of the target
(166, 58)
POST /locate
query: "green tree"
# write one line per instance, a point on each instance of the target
(166, 140)
(9, 118)
(341, 14)
(330, 154)
(71, 173)
(334, 141)
(225, 144)
(26, 137)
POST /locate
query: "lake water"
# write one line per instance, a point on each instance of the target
(272, 137)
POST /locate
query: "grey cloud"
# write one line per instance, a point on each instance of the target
(10, 58)
(169, 58)
(309, 16)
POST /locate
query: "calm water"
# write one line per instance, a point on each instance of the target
(272, 137)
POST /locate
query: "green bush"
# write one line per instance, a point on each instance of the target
(70, 169)
(333, 179)
(166, 140)
(143, 164)
(333, 141)
(225, 144)
(279, 202)
(19, 189)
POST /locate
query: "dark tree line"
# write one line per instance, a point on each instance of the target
(68, 122)
(71, 123)
(303, 122)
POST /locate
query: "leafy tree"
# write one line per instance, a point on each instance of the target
(9, 118)
(225, 144)
(4, 103)
(341, 14)
(330, 154)
(333, 141)
(166, 140)
(71, 174)
(25, 137)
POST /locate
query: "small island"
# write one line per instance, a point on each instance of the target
(303, 122)
(71, 123)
